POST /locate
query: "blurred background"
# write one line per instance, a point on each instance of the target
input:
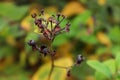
(94, 33)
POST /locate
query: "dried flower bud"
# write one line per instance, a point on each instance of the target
(46, 33)
(63, 16)
(80, 58)
(34, 15)
(42, 11)
(57, 28)
(67, 28)
(58, 14)
(44, 50)
(31, 42)
(38, 21)
(51, 19)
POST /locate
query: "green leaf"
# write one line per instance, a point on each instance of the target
(117, 59)
(80, 19)
(115, 49)
(32, 36)
(15, 31)
(6, 51)
(12, 11)
(99, 76)
(91, 39)
(80, 72)
(2, 24)
(60, 39)
(100, 67)
(101, 50)
(15, 72)
(111, 65)
(114, 33)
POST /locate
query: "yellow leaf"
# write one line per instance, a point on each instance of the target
(103, 39)
(51, 10)
(57, 74)
(101, 2)
(90, 22)
(90, 77)
(64, 50)
(23, 57)
(26, 23)
(11, 41)
(73, 8)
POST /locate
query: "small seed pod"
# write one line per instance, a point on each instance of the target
(31, 43)
(80, 58)
(67, 28)
(44, 50)
(34, 15)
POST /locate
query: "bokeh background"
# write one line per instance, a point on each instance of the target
(94, 33)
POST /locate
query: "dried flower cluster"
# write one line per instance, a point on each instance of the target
(50, 28)
(54, 22)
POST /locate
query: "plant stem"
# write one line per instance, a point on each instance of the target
(52, 67)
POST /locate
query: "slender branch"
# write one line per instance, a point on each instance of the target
(52, 68)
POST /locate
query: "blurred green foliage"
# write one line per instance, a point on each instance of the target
(95, 33)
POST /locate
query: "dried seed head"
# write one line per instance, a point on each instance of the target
(54, 22)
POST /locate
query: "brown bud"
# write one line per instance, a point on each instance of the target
(42, 11)
(34, 15)
(67, 28)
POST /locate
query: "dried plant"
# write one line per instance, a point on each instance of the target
(50, 34)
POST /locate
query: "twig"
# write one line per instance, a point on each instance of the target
(52, 67)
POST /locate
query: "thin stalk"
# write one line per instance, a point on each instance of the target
(52, 68)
